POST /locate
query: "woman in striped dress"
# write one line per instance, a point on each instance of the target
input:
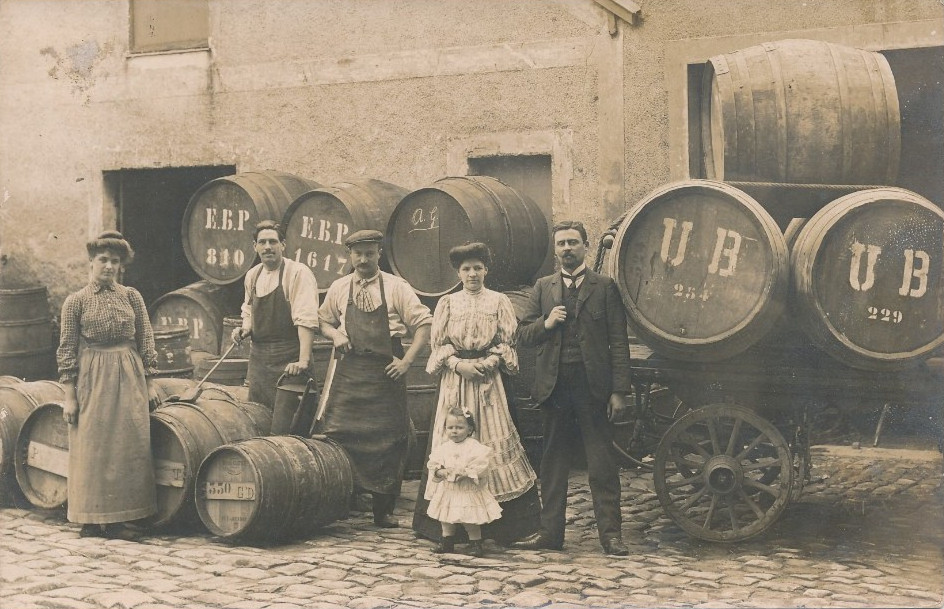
(106, 349)
(471, 346)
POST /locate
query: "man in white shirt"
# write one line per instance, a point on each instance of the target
(280, 313)
(365, 314)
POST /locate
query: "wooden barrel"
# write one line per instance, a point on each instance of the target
(26, 336)
(702, 270)
(221, 216)
(273, 488)
(200, 306)
(17, 401)
(430, 221)
(318, 221)
(231, 371)
(241, 350)
(173, 350)
(171, 389)
(421, 404)
(182, 434)
(801, 111)
(522, 382)
(6, 379)
(867, 282)
(41, 458)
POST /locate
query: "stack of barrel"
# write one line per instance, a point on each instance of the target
(707, 270)
(27, 348)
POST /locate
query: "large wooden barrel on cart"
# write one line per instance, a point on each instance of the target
(201, 306)
(17, 401)
(702, 270)
(318, 221)
(183, 433)
(172, 343)
(26, 335)
(430, 221)
(41, 458)
(221, 216)
(801, 111)
(867, 281)
(273, 488)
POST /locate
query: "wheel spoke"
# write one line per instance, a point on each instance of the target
(693, 443)
(750, 502)
(734, 521)
(762, 487)
(750, 447)
(771, 463)
(711, 512)
(683, 482)
(713, 434)
(734, 435)
(691, 500)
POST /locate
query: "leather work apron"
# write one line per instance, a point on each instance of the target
(366, 411)
(274, 341)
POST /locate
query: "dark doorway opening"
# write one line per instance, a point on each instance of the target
(150, 206)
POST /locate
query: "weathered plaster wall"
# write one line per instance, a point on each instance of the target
(333, 90)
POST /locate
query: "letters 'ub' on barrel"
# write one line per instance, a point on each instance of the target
(868, 284)
(702, 269)
(221, 216)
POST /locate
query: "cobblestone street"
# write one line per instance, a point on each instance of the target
(868, 531)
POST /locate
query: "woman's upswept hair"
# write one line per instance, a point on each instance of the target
(111, 241)
(469, 251)
(455, 411)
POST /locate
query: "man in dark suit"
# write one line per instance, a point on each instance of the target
(582, 375)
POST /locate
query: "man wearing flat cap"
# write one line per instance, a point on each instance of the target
(366, 314)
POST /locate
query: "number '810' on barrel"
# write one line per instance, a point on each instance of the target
(702, 269)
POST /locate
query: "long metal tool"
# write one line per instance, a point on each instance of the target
(195, 392)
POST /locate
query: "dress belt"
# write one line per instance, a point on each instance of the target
(470, 354)
(109, 346)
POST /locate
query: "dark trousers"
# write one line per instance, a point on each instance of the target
(569, 415)
(382, 504)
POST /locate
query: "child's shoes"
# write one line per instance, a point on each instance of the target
(447, 545)
(475, 548)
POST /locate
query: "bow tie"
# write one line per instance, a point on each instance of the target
(573, 277)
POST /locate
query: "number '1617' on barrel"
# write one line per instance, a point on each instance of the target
(867, 277)
(702, 269)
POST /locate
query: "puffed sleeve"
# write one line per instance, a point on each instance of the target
(436, 461)
(478, 462)
(67, 354)
(143, 333)
(504, 343)
(441, 349)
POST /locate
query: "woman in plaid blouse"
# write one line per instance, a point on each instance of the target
(106, 351)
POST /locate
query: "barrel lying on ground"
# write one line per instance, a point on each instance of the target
(318, 221)
(183, 433)
(42, 457)
(430, 221)
(222, 215)
(868, 286)
(17, 401)
(801, 111)
(702, 270)
(26, 338)
(273, 488)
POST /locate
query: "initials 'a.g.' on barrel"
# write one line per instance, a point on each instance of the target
(317, 223)
(430, 221)
(801, 111)
(868, 285)
(702, 270)
(221, 216)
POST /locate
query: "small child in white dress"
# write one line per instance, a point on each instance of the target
(461, 494)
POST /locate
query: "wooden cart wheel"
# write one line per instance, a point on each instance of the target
(723, 473)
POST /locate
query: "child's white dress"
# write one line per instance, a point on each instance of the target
(463, 500)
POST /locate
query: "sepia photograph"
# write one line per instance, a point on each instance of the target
(383, 304)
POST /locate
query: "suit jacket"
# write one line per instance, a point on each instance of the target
(601, 330)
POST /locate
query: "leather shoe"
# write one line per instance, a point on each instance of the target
(386, 522)
(536, 541)
(615, 547)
